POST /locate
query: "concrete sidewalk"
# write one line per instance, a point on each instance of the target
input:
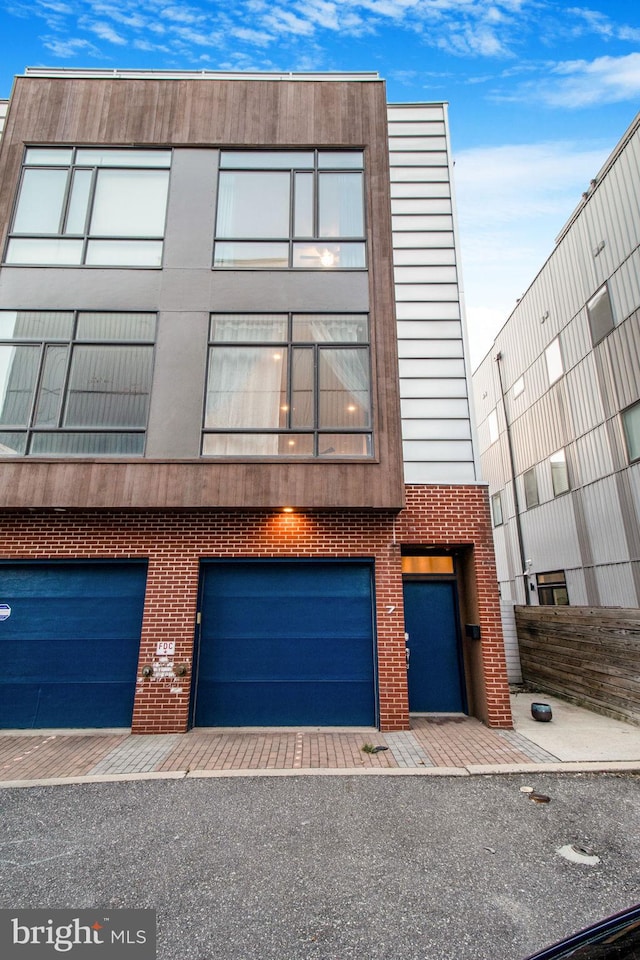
(453, 745)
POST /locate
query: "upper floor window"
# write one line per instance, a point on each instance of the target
(74, 384)
(600, 314)
(288, 385)
(530, 480)
(559, 473)
(496, 509)
(553, 356)
(279, 209)
(631, 423)
(88, 205)
(492, 422)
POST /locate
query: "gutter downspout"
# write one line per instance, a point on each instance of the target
(523, 559)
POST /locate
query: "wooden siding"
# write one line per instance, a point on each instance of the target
(589, 655)
(231, 113)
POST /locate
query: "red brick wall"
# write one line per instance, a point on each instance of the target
(174, 543)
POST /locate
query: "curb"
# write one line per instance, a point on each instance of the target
(476, 769)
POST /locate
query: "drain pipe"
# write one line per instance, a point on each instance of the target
(523, 559)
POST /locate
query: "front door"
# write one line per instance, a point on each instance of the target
(433, 645)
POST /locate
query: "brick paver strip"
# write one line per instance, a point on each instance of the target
(35, 757)
(458, 741)
(530, 749)
(433, 741)
(136, 754)
(407, 751)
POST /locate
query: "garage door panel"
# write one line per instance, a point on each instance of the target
(310, 617)
(70, 646)
(80, 658)
(286, 643)
(307, 659)
(46, 617)
(36, 706)
(255, 704)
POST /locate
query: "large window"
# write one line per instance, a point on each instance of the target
(292, 385)
(280, 209)
(74, 384)
(90, 206)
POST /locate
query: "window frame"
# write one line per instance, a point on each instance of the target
(497, 515)
(316, 430)
(293, 241)
(632, 409)
(559, 488)
(531, 501)
(550, 586)
(554, 361)
(32, 431)
(597, 328)
(493, 426)
(86, 237)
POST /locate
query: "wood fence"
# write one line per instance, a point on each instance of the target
(590, 655)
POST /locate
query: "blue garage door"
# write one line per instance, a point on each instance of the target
(285, 644)
(69, 648)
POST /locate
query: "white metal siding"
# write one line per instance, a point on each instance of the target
(434, 386)
(514, 671)
(582, 412)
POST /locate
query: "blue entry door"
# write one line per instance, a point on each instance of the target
(69, 647)
(435, 669)
(285, 643)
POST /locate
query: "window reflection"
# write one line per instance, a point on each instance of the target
(306, 386)
(308, 210)
(70, 200)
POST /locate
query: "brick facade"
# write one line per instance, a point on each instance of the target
(449, 516)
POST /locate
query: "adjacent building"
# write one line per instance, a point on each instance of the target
(238, 482)
(558, 403)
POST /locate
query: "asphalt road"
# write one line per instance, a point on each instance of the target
(331, 868)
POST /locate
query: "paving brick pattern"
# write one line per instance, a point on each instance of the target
(531, 750)
(433, 741)
(36, 757)
(459, 741)
(407, 750)
(136, 754)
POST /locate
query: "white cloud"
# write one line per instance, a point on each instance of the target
(585, 83)
(104, 32)
(282, 21)
(70, 47)
(258, 37)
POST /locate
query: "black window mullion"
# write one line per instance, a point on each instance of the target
(36, 392)
(65, 385)
(89, 213)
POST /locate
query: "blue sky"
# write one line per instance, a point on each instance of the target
(539, 92)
